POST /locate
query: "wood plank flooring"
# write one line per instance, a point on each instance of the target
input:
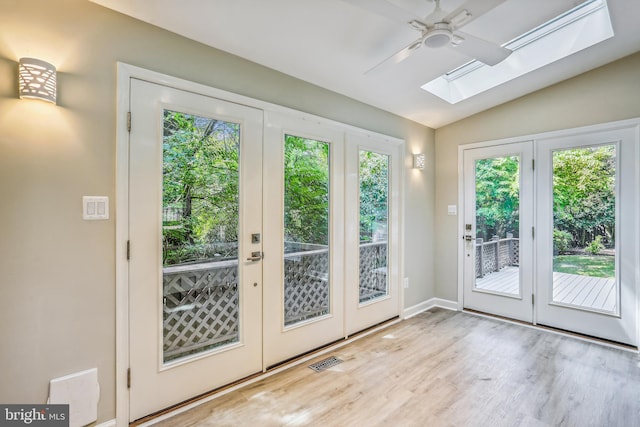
(505, 281)
(585, 291)
(443, 368)
(572, 289)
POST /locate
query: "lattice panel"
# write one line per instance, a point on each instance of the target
(373, 271)
(504, 253)
(508, 253)
(201, 304)
(306, 290)
(200, 310)
(489, 257)
(515, 252)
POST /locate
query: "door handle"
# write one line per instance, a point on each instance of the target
(256, 256)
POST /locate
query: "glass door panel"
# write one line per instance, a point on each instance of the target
(584, 228)
(497, 227)
(306, 229)
(374, 225)
(199, 234)
(497, 216)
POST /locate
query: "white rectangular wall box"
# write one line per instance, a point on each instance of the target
(81, 392)
(452, 210)
(95, 207)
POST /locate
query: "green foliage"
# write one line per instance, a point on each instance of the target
(200, 182)
(374, 195)
(584, 193)
(595, 246)
(497, 196)
(200, 189)
(583, 196)
(561, 241)
(306, 195)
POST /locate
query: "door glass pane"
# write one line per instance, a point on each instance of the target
(497, 246)
(306, 229)
(374, 226)
(200, 188)
(584, 228)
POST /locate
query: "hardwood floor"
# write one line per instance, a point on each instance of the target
(443, 368)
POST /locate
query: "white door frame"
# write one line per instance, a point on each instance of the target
(622, 124)
(125, 72)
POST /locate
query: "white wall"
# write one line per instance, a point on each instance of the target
(57, 311)
(606, 94)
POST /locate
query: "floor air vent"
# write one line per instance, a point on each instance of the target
(325, 364)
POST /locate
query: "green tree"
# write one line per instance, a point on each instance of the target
(374, 193)
(200, 181)
(306, 196)
(497, 196)
(584, 193)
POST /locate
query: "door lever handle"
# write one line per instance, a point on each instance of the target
(256, 256)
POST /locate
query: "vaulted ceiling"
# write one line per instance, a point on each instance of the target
(333, 43)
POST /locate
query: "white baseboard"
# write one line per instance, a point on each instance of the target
(428, 304)
(110, 423)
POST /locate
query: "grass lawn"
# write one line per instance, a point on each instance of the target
(585, 265)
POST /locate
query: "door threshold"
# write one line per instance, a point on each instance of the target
(194, 402)
(558, 331)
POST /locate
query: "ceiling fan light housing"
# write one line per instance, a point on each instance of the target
(438, 37)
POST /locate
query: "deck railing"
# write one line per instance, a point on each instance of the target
(201, 300)
(496, 253)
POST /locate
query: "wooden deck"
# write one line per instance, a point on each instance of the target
(594, 293)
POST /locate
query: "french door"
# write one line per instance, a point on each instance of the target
(588, 199)
(195, 272)
(304, 244)
(372, 232)
(574, 266)
(238, 244)
(498, 221)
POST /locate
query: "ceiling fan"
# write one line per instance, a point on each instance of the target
(440, 29)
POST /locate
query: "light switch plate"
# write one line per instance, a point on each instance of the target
(452, 210)
(95, 207)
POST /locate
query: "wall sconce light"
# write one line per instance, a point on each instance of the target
(37, 80)
(418, 161)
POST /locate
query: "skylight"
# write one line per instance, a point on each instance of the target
(575, 30)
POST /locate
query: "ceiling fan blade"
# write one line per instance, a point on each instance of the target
(475, 7)
(386, 9)
(482, 50)
(399, 56)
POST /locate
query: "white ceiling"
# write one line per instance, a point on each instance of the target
(331, 43)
